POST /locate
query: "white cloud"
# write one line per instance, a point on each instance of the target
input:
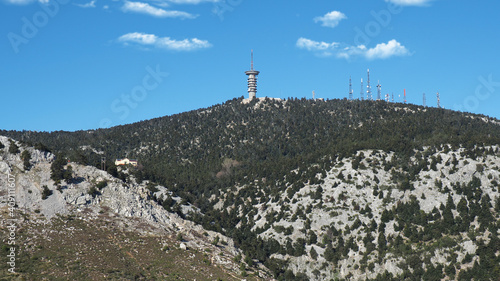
(386, 50)
(164, 42)
(380, 51)
(91, 4)
(410, 2)
(331, 19)
(145, 8)
(140, 38)
(322, 48)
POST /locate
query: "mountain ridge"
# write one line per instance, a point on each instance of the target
(249, 167)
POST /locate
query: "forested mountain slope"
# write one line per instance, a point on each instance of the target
(237, 161)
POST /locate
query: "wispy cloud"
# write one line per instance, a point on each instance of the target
(338, 50)
(322, 48)
(90, 4)
(145, 8)
(386, 50)
(24, 2)
(166, 3)
(167, 43)
(331, 19)
(410, 2)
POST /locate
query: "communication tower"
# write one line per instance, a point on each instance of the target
(439, 100)
(425, 101)
(252, 80)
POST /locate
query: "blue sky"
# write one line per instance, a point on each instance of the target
(90, 64)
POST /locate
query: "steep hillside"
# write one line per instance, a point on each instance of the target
(360, 221)
(320, 189)
(93, 226)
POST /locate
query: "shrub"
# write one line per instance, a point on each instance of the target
(102, 185)
(313, 253)
(46, 192)
(26, 157)
(216, 240)
(93, 191)
(13, 148)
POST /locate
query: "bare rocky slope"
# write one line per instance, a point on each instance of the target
(359, 224)
(76, 209)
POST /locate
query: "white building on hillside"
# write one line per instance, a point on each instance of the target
(126, 161)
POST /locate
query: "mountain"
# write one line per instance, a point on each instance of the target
(314, 189)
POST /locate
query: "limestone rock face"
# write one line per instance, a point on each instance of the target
(120, 199)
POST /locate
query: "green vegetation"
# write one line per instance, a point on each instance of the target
(13, 147)
(272, 148)
(26, 157)
(46, 192)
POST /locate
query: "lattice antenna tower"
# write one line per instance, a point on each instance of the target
(368, 88)
(392, 97)
(379, 90)
(439, 100)
(362, 92)
(425, 101)
(350, 88)
(387, 97)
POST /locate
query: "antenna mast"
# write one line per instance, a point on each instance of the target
(251, 68)
(368, 88)
(379, 90)
(350, 88)
(439, 100)
(425, 101)
(405, 97)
